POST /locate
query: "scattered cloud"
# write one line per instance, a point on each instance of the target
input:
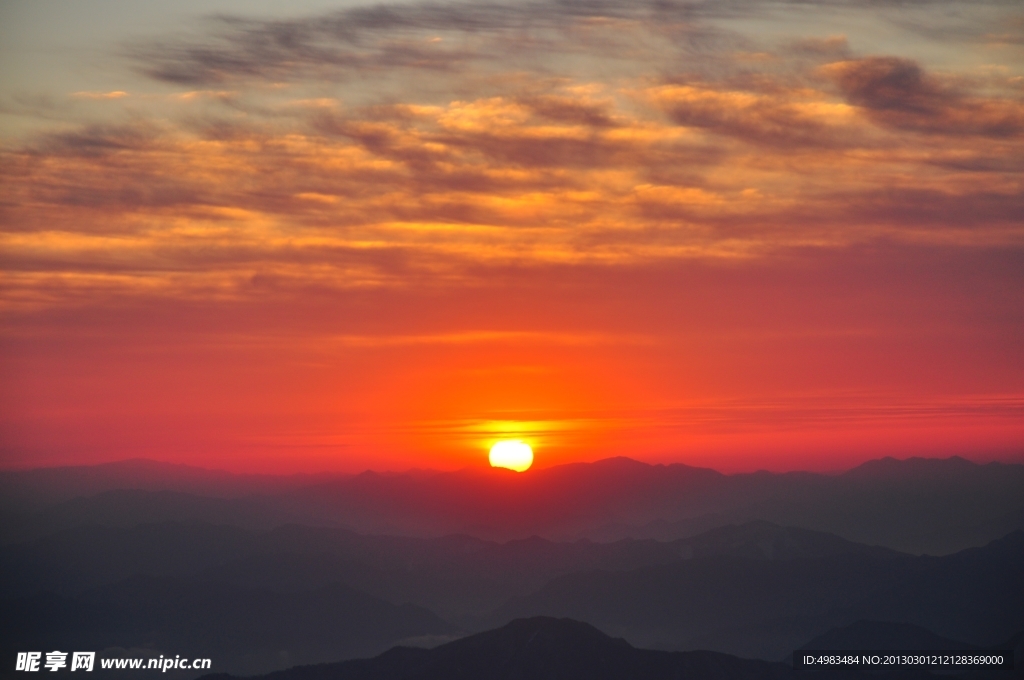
(897, 93)
(388, 145)
(115, 94)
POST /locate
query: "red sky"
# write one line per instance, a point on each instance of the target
(704, 234)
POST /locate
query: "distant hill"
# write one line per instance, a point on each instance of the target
(455, 576)
(540, 648)
(133, 507)
(765, 609)
(544, 648)
(244, 629)
(766, 561)
(762, 540)
(43, 486)
(753, 590)
(916, 505)
(91, 556)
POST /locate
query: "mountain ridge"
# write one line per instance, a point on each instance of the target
(935, 506)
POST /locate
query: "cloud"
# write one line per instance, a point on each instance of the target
(440, 37)
(432, 37)
(114, 94)
(898, 93)
(568, 133)
(785, 120)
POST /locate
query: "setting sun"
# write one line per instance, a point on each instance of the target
(512, 454)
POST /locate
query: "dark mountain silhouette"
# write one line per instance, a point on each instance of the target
(918, 505)
(543, 648)
(756, 590)
(115, 564)
(539, 648)
(87, 557)
(132, 507)
(245, 629)
(35, 488)
(935, 506)
(765, 540)
(766, 609)
(455, 576)
(915, 505)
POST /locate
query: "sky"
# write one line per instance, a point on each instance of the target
(283, 237)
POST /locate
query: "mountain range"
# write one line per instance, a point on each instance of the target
(266, 574)
(562, 649)
(755, 590)
(916, 505)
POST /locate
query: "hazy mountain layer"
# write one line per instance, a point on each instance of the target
(766, 609)
(245, 629)
(455, 575)
(542, 648)
(917, 505)
(212, 560)
(539, 648)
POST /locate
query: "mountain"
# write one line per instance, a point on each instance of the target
(283, 571)
(557, 502)
(455, 576)
(915, 505)
(91, 556)
(758, 539)
(552, 649)
(244, 629)
(38, 487)
(544, 648)
(132, 507)
(765, 609)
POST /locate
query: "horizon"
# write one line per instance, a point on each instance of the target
(478, 466)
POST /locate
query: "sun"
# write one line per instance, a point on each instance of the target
(512, 454)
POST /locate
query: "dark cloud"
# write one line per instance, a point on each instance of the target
(434, 37)
(568, 110)
(918, 207)
(898, 93)
(399, 36)
(831, 47)
(980, 162)
(99, 140)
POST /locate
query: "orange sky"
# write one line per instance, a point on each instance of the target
(384, 240)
